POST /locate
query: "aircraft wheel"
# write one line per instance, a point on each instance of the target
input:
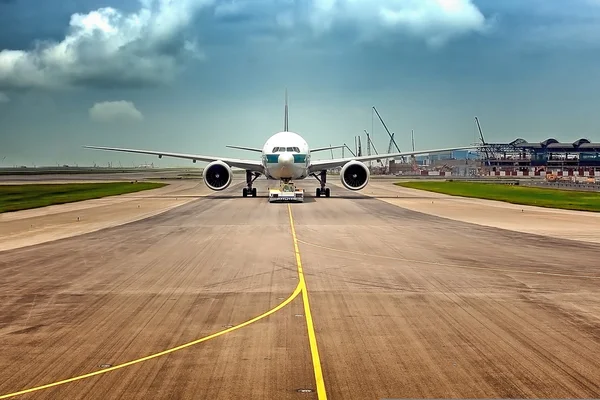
(245, 192)
(327, 192)
(253, 192)
(318, 192)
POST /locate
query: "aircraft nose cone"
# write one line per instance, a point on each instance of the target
(286, 159)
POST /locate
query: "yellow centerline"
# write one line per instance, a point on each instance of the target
(312, 338)
(296, 292)
(300, 288)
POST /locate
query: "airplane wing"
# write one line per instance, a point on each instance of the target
(338, 162)
(246, 148)
(252, 165)
(326, 148)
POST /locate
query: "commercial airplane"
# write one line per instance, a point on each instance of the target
(286, 157)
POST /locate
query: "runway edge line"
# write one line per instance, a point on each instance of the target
(312, 338)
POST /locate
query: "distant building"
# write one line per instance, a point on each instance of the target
(549, 153)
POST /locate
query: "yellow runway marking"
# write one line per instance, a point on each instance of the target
(312, 338)
(299, 288)
(445, 264)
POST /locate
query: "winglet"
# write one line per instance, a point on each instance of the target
(285, 118)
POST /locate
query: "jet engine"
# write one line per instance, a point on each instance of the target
(217, 175)
(354, 175)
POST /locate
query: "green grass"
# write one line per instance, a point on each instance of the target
(551, 198)
(22, 197)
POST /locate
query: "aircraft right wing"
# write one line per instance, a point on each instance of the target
(321, 165)
(252, 165)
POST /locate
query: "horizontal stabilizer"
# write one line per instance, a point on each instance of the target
(245, 148)
(326, 148)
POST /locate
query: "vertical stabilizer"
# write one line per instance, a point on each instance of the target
(285, 118)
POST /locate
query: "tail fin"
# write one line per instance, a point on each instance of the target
(285, 118)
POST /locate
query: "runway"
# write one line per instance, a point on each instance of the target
(402, 304)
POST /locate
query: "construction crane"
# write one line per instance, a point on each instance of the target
(389, 150)
(359, 147)
(488, 154)
(369, 149)
(413, 159)
(349, 149)
(387, 130)
(391, 143)
(369, 145)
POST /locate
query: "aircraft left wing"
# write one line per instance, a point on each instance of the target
(246, 148)
(252, 165)
(321, 165)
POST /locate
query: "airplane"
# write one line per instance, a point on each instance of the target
(286, 157)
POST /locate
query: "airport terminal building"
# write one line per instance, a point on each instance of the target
(520, 157)
(517, 158)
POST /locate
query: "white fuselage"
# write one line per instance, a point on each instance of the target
(286, 155)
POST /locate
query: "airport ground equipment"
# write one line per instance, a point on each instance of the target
(287, 192)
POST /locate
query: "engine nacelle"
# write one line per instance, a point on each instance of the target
(217, 175)
(354, 175)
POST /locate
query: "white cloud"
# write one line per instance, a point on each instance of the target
(4, 98)
(109, 111)
(435, 21)
(112, 48)
(108, 47)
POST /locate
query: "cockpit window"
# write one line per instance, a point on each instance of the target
(290, 149)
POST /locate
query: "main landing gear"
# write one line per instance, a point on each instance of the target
(250, 178)
(322, 191)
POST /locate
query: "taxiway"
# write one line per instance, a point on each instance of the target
(404, 303)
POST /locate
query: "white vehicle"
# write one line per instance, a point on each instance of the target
(286, 157)
(286, 192)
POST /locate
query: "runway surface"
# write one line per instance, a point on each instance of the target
(403, 304)
(38, 225)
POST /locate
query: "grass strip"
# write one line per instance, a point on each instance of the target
(531, 196)
(23, 197)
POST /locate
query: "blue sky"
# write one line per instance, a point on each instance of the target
(197, 75)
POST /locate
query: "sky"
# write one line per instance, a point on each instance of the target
(193, 76)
